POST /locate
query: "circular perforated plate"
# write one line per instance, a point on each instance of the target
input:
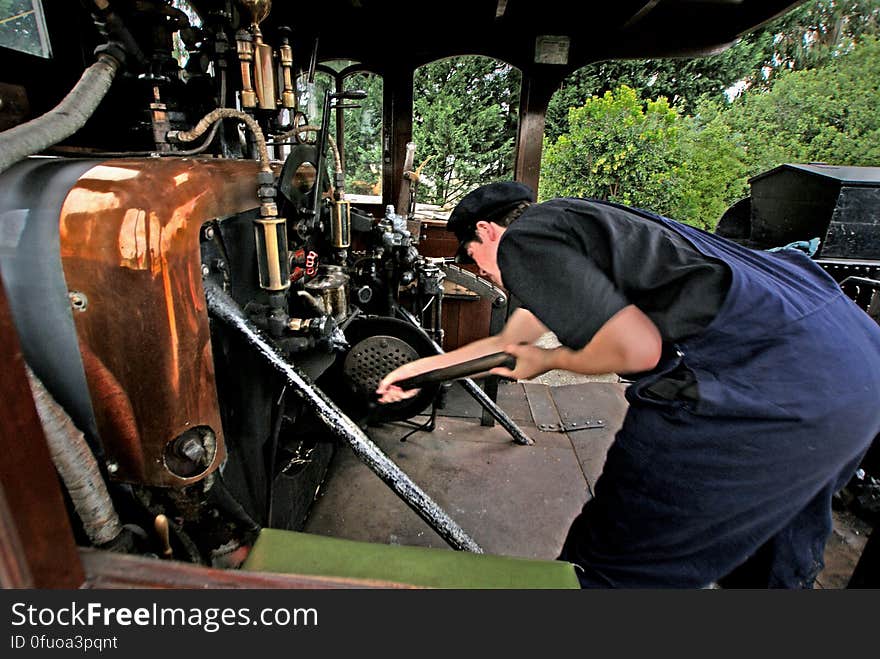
(373, 358)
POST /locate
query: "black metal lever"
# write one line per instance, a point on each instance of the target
(353, 94)
(463, 370)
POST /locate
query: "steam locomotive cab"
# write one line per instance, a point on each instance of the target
(204, 307)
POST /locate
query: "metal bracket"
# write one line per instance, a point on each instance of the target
(485, 289)
(569, 426)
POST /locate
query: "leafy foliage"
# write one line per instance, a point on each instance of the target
(819, 115)
(626, 147)
(682, 81)
(810, 36)
(645, 153)
(465, 118)
(363, 136)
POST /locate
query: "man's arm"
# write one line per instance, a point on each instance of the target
(628, 342)
(521, 327)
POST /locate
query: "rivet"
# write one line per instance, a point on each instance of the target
(78, 300)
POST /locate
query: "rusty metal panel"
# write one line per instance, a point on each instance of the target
(37, 547)
(14, 106)
(130, 232)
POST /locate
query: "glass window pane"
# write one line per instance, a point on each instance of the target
(23, 28)
(363, 138)
(310, 96)
(465, 118)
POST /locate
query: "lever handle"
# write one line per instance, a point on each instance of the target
(457, 371)
(352, 94)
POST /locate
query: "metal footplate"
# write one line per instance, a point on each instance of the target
(549, 417)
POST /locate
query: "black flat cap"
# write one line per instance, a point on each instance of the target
(487, 203)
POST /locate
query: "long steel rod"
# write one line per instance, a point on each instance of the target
(474, 390)
(222, 307)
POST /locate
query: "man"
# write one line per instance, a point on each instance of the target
(755, 384)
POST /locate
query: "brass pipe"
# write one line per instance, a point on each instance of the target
(245, 47)
(288, 98)
(264, 72)
(162, 527)
(271, 238)
(340, 224)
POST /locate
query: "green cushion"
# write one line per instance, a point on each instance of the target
(304, 553)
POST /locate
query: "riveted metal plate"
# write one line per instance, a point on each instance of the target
(551, 414)
(575, 406)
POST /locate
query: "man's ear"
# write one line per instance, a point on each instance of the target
(490, 230)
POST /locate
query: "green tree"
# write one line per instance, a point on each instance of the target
(645, 153)
(682, 81)
(809, 36)
(464, 119)
(711, 172)
(820, 115)
(363, 135)
(812, 35)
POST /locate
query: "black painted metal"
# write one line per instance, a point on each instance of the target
(358, 401)
(222, 307)
(497, 319)
(839, 205)
(469, 368)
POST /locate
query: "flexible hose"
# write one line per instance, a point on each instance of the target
(142, 154)
(64, 119)
(227, 113)
(77, 467)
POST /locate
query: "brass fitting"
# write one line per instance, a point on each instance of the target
(288, 98)
(244, 45)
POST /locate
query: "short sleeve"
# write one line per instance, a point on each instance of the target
(555, 279)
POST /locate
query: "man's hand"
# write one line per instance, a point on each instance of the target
(521, 326)
(530, 362)
(389, 392)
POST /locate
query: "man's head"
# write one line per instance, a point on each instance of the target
(479, 221)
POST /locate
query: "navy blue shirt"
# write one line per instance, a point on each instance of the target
(575, 263)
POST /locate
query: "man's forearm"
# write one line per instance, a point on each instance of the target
(479, 348)
(628, 343)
